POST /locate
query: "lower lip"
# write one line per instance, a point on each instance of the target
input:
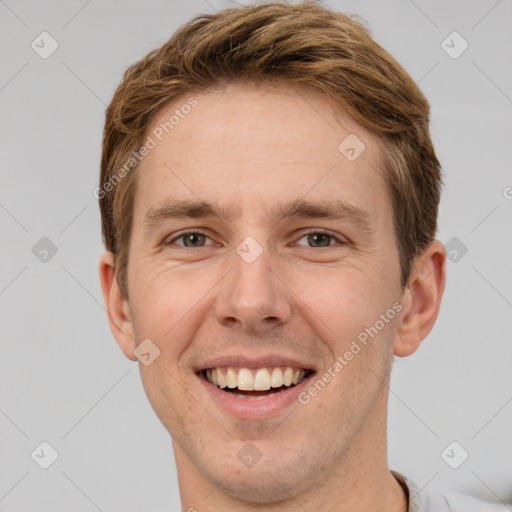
(254, 409)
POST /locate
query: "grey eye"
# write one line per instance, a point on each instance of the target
(318, 239)
(191, 239)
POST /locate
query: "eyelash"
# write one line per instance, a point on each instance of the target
(313, 231)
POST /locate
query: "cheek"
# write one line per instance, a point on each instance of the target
(168, 303)
(340, 301)
(345, 311)
(166, 392)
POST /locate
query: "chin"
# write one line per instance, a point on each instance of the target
(258, 486)
(270, 480)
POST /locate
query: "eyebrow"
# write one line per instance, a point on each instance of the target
(298, 209)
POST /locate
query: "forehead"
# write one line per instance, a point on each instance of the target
(254, 146)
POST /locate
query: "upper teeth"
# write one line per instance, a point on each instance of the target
(258, 379)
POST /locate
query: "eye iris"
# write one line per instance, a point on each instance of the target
(319, 239)
(190, 239)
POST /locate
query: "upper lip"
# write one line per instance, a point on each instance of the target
(244, 361)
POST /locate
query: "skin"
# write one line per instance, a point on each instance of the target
(251, 148)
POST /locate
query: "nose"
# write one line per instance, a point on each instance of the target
(252, 298)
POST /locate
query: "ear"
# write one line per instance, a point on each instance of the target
(421, 299)
(118, 309)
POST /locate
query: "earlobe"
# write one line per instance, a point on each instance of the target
(118, 309)
(421, 299)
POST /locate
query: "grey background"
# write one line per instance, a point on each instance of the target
(64, 379)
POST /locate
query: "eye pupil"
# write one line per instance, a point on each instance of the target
(319, 239)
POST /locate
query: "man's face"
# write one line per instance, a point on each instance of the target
(256, 291)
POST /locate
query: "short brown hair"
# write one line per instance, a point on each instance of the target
(305, 45)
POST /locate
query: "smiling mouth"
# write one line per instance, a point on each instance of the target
(257, 383)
